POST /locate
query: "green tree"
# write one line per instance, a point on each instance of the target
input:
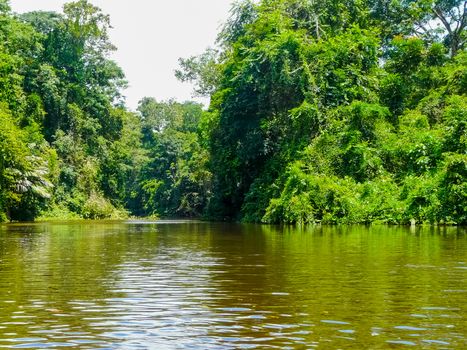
(175, 181)
(432, 20)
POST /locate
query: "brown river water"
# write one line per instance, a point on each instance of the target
(194, 285)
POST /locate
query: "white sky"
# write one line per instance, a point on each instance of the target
(150, 36)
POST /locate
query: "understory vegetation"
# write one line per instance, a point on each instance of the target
(321, 112)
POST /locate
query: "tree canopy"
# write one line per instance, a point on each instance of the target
(337, 111)
(320, 111)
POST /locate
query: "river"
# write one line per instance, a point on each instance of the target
(193, 285)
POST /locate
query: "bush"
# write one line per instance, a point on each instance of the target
(98, 207)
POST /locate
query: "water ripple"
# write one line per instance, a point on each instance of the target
(214, 286)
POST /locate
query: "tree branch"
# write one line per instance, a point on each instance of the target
(439, 14)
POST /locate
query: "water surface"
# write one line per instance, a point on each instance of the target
(182, 285)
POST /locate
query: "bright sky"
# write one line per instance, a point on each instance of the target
(150, 36)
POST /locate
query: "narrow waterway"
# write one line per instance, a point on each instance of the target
(191, 285)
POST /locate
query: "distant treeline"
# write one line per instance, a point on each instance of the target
(325, 111)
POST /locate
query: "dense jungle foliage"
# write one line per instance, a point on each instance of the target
(321, 111)
(68, 146)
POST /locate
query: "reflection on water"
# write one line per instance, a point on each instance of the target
(182, 285)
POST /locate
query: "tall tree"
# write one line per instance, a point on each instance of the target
(435, 20)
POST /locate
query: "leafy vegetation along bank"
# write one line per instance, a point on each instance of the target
(321, 111)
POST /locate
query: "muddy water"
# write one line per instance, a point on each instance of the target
(188, 285)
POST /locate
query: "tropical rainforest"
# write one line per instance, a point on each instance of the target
(326, 111)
